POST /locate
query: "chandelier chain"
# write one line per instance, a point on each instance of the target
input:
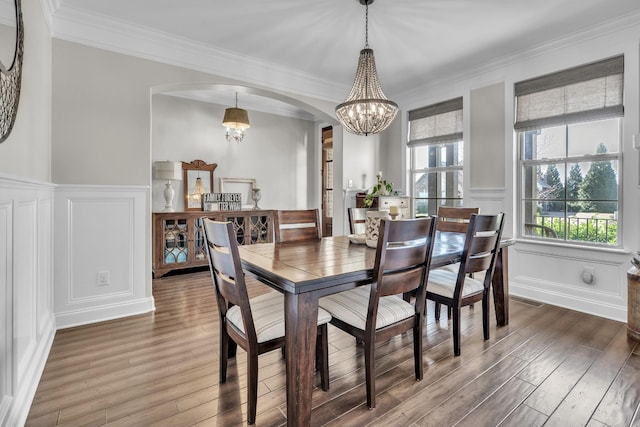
(366, 111)
(366, 25)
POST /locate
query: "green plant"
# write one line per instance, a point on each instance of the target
(382, 188)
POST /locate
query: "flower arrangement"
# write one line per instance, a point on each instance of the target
(382, 188)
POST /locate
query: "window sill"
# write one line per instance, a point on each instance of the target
(617, 250)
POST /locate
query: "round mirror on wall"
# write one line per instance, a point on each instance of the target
(11, 52)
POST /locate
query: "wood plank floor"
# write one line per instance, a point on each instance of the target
(549, 366)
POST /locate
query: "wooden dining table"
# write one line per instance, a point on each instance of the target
(307, 271)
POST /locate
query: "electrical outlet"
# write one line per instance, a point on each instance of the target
(103, 278)
(588, 275)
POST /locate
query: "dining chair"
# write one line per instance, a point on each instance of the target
(455, 220)
(540, 231)
(459, 289)
(358, 220)
(296, 225)
(376, 312)
(256, 324)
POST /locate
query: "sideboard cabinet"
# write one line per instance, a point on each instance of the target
(178, 238)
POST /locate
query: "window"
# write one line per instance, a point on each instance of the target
(569, 131)
(436, 152)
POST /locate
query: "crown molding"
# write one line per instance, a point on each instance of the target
(415, 97)
(49, 8)
(106, 33)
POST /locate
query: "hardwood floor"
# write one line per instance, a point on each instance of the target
(549, 366)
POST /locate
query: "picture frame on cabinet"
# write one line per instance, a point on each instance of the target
(244, 186)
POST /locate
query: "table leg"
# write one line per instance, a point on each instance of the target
(500, 284)
(301, 318)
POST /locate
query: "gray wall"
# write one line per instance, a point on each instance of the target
(27, 150)
(275, 151)
(487, 137)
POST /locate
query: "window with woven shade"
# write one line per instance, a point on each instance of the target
(569, 127)
(436, 151)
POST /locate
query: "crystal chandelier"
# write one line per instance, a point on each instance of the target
(198, 190)
(236, 120)
(366, 110)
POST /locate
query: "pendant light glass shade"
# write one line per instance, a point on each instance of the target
(366, 110)
(236, 121)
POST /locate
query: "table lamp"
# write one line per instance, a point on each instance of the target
(169, 171)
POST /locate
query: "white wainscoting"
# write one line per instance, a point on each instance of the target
(100, 234)
(46, 286)
(552, 273)
(27, 325)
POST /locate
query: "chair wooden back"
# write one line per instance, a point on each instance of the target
(296, 225)
(227, 274)
(540, 231)
(358, 220)
(454, 219)
(403, 259)
(481, 246)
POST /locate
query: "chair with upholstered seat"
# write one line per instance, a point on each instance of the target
(375, 312)
(458, 289)
(357, 220)
(256, 324)
(296, 225)
(454, 220)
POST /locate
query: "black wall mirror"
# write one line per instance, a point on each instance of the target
(11, 52)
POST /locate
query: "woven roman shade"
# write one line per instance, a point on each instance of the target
(436, 123)
(585, 93)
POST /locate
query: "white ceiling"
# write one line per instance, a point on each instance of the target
(415, 41)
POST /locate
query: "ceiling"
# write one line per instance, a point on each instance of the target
(416, 42)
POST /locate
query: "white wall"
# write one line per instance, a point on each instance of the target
(27, 324)
(275, 151)
(100, 230)
(27, 150)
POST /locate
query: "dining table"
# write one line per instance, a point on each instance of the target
(306, 271)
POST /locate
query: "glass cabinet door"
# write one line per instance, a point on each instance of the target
(198, 242)
(260, 228)
(175, 241)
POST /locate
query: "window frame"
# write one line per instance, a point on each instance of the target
(586, 93)
(438, 169)
(442, 126)
(567, 161)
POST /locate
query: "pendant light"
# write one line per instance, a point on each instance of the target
(366, 110)
(236, 120)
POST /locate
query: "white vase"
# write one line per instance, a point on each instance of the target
(372, 224)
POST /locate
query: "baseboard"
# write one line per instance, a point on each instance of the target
(572, 302)
(26, 390)
(103, 313)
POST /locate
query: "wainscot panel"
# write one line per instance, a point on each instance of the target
(100, 254)
(26, 281)
(553, 273)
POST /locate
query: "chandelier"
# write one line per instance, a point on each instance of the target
(236, 120)
(198, 190)
(366, 110)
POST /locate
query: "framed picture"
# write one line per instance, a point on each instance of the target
(198, 179)
(244, 186)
